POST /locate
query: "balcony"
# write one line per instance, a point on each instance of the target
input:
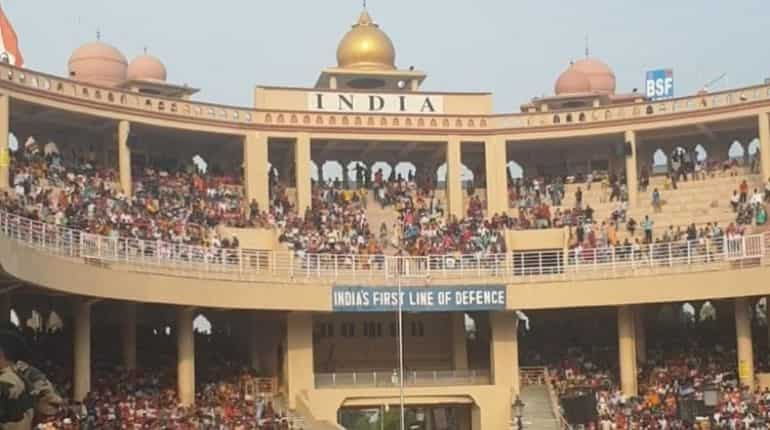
(390, 379)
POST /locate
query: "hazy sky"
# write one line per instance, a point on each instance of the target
(514, 48)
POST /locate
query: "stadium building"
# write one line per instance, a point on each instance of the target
(325, 324)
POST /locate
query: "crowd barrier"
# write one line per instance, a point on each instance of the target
(160, 257)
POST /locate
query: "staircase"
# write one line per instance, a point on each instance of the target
(538, 409)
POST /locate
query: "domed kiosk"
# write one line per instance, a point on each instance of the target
(146, 68)
(366, 47)
(98, 63)
(366, 60)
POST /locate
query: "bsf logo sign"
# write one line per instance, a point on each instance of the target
(660, 84)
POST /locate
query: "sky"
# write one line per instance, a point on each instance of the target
(513, 48)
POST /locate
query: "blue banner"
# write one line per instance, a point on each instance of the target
(660, 84)
(428, 299)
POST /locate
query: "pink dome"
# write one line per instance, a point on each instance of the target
(98, 63)
(572, 81)
(146, 68)
(600, 75)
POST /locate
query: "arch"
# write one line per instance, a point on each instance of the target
(700, 152)
(55, 323)
(35, 321)
(381, 165)
(404, 168)
(707, 312)
(659, 161)
(515, 170)
(466, 174)
(736, 151)
(202, 325)
(687, 313)
(313, 171)
(753, 147)
(332, 170)
(14, 317)
(200, 163)
(13, 142)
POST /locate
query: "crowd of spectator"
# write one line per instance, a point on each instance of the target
(183, 207)
(667, 384)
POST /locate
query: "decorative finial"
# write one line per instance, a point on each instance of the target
(98, 34)
(364, 4)
(145, 50)
(588, 51)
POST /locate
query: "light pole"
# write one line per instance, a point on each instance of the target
(400, 342)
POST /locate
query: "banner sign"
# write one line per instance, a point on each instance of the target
(375, 103)
(429, 299)
(660, 84)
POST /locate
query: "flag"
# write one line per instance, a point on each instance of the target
(9, 42)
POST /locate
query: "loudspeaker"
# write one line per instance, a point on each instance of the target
(580, 408)
(629, 149)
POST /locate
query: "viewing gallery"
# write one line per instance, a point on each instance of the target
(319, 258)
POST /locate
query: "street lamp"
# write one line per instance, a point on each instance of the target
(518, 410)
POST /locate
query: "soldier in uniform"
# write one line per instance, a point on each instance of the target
(24, 390)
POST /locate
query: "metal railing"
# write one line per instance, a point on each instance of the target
(414, 378)
(177, 259)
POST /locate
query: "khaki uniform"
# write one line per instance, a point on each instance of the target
(14, 401)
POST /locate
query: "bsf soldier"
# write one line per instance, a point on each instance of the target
(24, 389)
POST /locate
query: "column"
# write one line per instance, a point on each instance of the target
(185, 356)
(494, 412)
(5, 130)
(81, 313)
(632, 172)
(459, 342)
(745, 348)
(255, 161)
(124, 157)
(764, 145)
(299, 355)
(302, 162)
(129, 336)
(454, 192)
(627, 350)
(641, 334)
(495, 157)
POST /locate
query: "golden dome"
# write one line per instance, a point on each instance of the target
(366, 47)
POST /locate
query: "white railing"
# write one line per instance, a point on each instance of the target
(390, 379)
(159, 257)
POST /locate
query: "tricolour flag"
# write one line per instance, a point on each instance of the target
(9, 42)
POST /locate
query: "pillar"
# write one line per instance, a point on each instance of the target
(124, 157)
(129, 336)
(632, 172)
(495, 157)
(185, 356)
(255, 161)
(764, 145)
(745, 348)
(302, 162)
(494, 412)
(81, 313)
(454, 192)
(299, 355)
(5, 130)
(459, 342)
(641, 334)
(627, 350)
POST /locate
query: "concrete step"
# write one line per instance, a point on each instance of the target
(538, 410)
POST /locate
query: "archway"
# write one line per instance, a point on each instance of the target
(515, 171)
(736, 151)
(202, 325)
(700, 153)
(659, 161)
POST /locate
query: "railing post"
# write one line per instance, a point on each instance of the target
(336, 258)
(670, 256)
(540, 261)
(651, 254)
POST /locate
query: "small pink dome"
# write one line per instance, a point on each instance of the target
(572, 81)
(146, 68)
(98, 63)
(600, 75)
